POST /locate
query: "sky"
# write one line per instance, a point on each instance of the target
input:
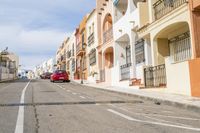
(34, 29)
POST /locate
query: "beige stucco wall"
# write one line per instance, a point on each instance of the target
(178, 78)
(158, 27)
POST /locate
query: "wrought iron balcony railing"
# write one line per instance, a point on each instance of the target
(155, 76)
(91, 39)
(78, 48)
(163, 7)
(125, 71)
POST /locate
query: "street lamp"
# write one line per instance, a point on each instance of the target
(83, 47)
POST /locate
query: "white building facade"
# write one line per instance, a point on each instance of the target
(132, 53)
(91, 50)
(71, 58)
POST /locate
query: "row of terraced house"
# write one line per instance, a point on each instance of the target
(138, 43)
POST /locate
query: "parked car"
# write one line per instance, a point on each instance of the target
(46, 75)
(59, 75)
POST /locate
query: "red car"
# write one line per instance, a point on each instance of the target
(60, 75)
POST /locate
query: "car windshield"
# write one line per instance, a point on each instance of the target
(59, 71)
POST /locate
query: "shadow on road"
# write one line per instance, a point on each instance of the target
(72, 103)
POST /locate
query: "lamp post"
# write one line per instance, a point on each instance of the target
(83, 47)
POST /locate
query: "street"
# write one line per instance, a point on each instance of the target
(39, 106)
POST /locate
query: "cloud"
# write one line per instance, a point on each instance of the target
(35, 29)
(45, 13)
(31, 45)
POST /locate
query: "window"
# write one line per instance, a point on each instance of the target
(92, 57)
(73, 50)
(73, 65)
(91, 39)
(128, 55)
(180, 47)
(139, 51)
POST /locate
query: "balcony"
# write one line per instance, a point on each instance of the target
(155, 76)
(163, 7)
(108, 35)
(80, 49)
(91, 39)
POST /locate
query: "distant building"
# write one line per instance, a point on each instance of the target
(9, 65)
(46, 66)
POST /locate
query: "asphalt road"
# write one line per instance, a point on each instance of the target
(39, 106)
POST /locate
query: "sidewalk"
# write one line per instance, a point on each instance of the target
(157, 95)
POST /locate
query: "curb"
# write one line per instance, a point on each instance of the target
(155, 100)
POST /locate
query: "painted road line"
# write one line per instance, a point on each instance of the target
(20, 118)
(152, 122)
(82, 97)
(160, 120)
(59, 86)
(174, 117)
(157, 115)
(122, 115)
(165, 111)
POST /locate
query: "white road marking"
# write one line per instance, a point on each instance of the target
(122, 115)
(20, 118)
(74, 93)
(151, 122)
(174, 117)
(82, 97)
(165, 111)
(166, 116)
(89, 97)
(61, 87)
(160, 120)
(58, 86)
